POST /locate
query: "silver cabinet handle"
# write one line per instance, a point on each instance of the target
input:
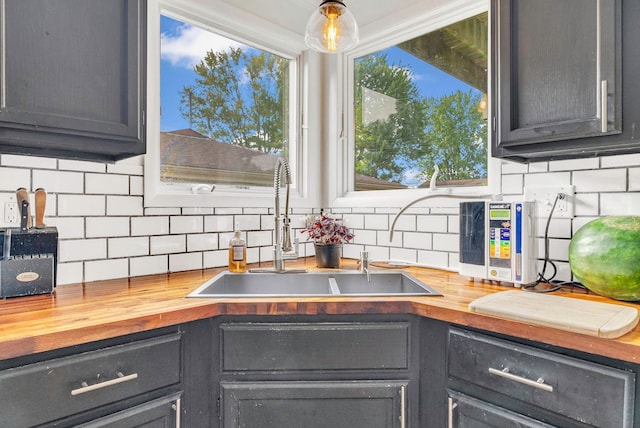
(604, 109)
(88, 388)
(403, 404)
(534, 383)
(176, 407)
(451, 406)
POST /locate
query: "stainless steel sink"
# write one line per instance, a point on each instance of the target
(351, 283)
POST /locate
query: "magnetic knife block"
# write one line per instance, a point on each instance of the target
(28, 261)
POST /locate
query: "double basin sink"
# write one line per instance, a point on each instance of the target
(310, 284)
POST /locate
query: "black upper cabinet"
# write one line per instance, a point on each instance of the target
(73, 78)
(564, 79)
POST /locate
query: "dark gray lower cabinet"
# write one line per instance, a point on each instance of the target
(313, 372)
(161, 413)
(315, 404)
(465, 411)
(131, 381)
(492, 380)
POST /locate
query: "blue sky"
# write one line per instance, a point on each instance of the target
(185, 45)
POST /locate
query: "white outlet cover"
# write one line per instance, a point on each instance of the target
(544, 196)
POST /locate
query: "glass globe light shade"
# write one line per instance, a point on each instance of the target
(331, 28)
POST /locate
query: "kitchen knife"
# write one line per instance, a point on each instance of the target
(41, 203)
(22, 197)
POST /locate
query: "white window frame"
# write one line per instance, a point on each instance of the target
(342, 192)
(304, 151)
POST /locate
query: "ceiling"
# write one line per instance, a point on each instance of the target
(293, 14)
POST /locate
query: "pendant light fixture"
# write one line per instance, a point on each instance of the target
(331, 28)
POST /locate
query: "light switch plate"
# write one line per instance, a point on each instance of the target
(544, 197)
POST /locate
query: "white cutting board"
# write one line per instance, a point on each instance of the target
(581, 316)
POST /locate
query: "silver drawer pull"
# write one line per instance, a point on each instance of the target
(534, 383)
(604, 113)
(88, 388)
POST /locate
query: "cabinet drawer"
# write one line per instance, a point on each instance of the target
(49, 390)
(591, 393)
(315, 346)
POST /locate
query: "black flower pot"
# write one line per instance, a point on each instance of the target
(328, 255)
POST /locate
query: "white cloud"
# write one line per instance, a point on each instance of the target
(190, 44)
(412, 178)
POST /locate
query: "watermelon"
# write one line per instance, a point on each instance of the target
(604, 255)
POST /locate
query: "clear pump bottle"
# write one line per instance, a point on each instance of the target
(237, 253)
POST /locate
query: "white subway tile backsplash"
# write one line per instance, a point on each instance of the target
(168, 244)
(218, 223)
(128, 247)
(417, 240)
(403, 254)
(620, 160)
(634, 179)
(586, 204)
(353, 221)
(433, 223)
(186, 224)
(213, 259)
(82, 249)
(106, 269)
(376, 222)
(162, 211)
(433, 258)
(136, 186)
(514, 167)
(186, 261)
(601, 180)
(29, 161)
(202, 242)
(197, 211)
(377, 253)
(547, 179)
(247, 222)
(129, 167)
(76, 165)
(445, 242)
(58, 181)
(124, 205)
(512, 184)
(107, 184)
(558, 227)
(81, 205)
(70, 273)
(536, 167)
(574, 164)
(619, 204)
(148, 265)
(149, 226)
(68, 227)
(103, 227)
(13, 178)
(260, 239)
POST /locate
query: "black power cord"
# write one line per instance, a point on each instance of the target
(556, 284)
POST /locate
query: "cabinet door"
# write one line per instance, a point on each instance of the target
(339, 404)
(468, 412)
(72, 78)
(557, 74)
(161, 413)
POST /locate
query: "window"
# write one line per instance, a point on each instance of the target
(228, 108)
(420, 104)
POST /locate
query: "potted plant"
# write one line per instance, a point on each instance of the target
(328, 234)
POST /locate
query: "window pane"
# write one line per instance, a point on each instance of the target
(224, 108)
(423, 103)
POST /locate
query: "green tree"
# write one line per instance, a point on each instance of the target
(240, 97)
(455, 137)
(383, 145)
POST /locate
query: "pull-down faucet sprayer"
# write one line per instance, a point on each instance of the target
(282, 248)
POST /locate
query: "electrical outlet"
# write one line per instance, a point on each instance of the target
(544, 196)
(10, 212)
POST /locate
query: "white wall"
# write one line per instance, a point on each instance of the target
(105, 232)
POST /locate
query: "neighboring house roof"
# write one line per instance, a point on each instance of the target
(188, 156)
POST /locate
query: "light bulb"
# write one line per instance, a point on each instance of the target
(332, 28)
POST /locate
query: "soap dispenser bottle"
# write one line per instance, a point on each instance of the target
(237, 253)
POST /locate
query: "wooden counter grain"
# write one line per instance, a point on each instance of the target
(81, 313)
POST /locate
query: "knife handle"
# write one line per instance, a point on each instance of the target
(22, 197)
(41, 203)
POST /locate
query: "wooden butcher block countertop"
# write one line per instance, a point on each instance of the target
(81, 313)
